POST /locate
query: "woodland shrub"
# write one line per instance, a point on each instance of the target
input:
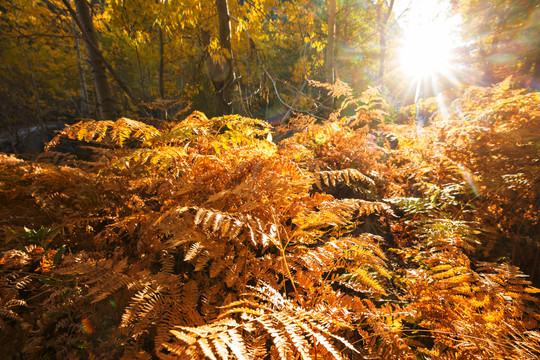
(204, 239)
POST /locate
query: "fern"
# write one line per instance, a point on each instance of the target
(290, 328)
(241, 227)
(154, 161)
(164, 233)
(347, 176)
(107, 132)
(221, 338)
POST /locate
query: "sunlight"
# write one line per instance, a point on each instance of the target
(430, 36)
(427, 50)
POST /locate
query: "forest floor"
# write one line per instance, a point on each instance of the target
(205, 239)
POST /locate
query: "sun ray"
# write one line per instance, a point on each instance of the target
(427, 54)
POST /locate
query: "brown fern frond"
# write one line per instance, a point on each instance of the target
(336, 90)
(224, 224)
(104, 277)
(132, 354)
(8, 312)
(217, 133)
(366, 208)
(360, 280)
(347, 176)
(146, 306)
(509, 280)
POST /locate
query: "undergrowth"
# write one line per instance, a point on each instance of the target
(203, 239)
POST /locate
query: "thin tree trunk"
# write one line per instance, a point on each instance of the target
(161, 64)
(149, 76)
(329, 65)
(35, 90)
(141, 76)
(94, 45)
(85, 101)
(329, 61)
(97, 66)
(222, 75)
(382, 46)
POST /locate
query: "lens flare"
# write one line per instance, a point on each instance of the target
(86, 326)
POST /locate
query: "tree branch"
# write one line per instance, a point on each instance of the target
(272, 80)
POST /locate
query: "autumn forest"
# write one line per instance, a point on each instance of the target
(270, 179)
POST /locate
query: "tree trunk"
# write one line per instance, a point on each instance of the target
(85, 101)
(35, 90)
(141, 76)
(101, 84)
(329, 64)
(329, 60)
(161, 64)
(222, 74)
(95, 48)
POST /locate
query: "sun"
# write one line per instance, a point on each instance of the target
(427, 50)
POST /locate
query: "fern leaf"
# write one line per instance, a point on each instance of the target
(218, 222)
(225, 224)
(235, 342)
(322, 340)
(280, 341)
(297, 337)
(221, 347)
(109, 132)
(206, 349)
(208, 220)
(199, 216)
(194, 250)
(337, 176)
(190, 340)
(362, 277)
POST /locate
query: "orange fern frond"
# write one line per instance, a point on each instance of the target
(107, 132)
